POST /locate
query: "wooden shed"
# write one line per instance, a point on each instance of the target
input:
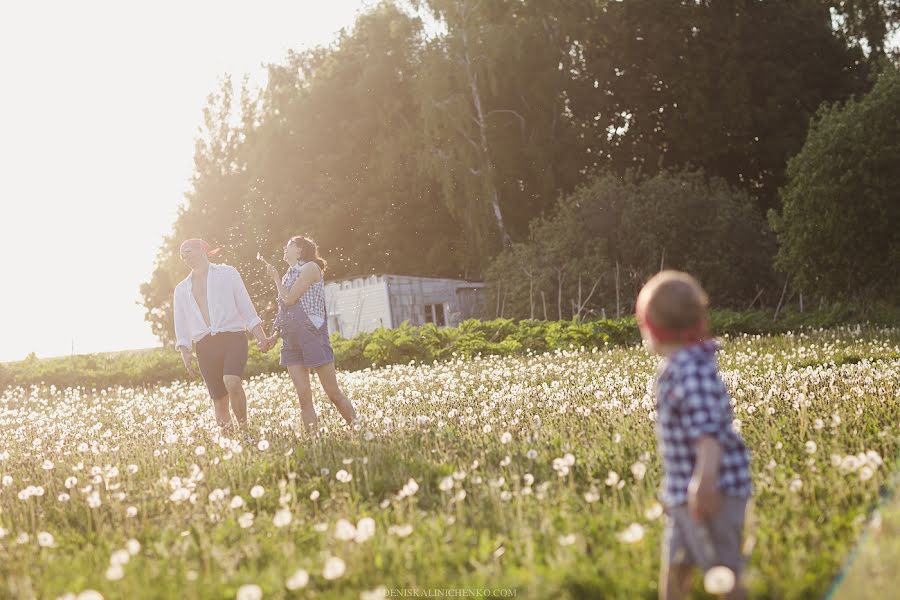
(366, 303)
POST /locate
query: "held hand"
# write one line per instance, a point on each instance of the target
(267, 343)
(187, 358)
(272, 272)
(704, 498)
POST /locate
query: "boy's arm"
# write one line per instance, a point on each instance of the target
(704, 498)
(705, 410)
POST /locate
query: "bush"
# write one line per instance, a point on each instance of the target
(838, 230)
(625, 228)
(425, 344)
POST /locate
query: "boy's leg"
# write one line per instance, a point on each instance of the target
(676, 572)
(675, 581)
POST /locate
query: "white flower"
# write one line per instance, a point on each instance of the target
(487, 428)
(343, 476)
(48, 465)
(263, 445)
(612, 478)
(334, 568)
(866, 473)
(7, 481)
(632, 534)
(400, 530)
(818, 424)
(344, 530)
(245, 520)
(410, 488)
(199, 451)
(115, 572)
(506, 437)
(531, 454)
(257, 491)
(796, 485)
(236, 502)
(119, 557)
(298, 580)
(446, 484)
(365, 529)
(654, 511)
(638, 469)
(810, 449)
(719, 580)
(89, 595)
(591, 496)
(133, 546)
(567, 540)
(569, 460)
(314, 495)
(131, 511)
(250, 591)
(64, 497)
(282, 518)
(45, 540)
(379, 593)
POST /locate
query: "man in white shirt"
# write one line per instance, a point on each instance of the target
(213, 310)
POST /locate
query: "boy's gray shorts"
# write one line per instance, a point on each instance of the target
(714, 542)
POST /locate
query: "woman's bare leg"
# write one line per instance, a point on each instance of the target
(300, 376)
(328, 379)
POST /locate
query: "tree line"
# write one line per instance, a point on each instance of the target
(559, 149)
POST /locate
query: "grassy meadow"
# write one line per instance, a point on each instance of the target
(534, 476)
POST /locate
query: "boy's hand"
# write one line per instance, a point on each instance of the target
(704, 498)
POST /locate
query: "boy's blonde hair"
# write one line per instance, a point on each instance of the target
(672, 302)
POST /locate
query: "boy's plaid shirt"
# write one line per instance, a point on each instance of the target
(692, 401)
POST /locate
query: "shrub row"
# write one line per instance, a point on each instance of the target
(424, 343)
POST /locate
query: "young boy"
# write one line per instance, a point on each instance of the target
(706, 466)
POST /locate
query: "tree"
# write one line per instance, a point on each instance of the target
(838, 229)
(608, 237)
(868, 22)
(725, 86)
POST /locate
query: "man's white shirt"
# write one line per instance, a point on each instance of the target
(230, 306)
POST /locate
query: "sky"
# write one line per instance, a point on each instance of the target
(99, 110)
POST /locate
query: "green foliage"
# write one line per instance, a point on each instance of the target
(510, 457)
(402, 147)
(838, 229)
(636, 225)
(426, 344)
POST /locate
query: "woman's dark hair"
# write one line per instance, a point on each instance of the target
(309, 252)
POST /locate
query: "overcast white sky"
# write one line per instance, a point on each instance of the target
(99, 109)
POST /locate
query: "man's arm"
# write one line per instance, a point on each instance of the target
(182, 334)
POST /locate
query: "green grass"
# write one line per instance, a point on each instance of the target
(526, 522)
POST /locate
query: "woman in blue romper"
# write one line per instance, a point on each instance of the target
(302, 322)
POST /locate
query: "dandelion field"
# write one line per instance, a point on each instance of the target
(529, 475)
